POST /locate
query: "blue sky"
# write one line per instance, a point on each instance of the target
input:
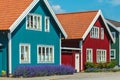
(110, 8)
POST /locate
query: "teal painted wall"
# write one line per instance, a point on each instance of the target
(3, 50)
(32, 37)
(116, 44)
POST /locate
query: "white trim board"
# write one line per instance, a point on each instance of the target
(29, 8)
(10, 53)
(112, 25)
(69, 48)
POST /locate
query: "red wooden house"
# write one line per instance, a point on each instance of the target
(88, 39)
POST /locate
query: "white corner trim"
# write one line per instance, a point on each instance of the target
(119, 49)
(54, 16)
(91, 25)
(10, 52)
(60, 51)
(23, 15)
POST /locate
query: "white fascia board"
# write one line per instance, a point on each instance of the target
(91, 25)
(107, 27)
(23, 15)
(54, 16)
(112, 25)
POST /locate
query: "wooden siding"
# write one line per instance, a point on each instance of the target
(34, 38)
(97, 43)
(116, 44)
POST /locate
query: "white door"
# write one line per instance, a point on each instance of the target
(77, 62)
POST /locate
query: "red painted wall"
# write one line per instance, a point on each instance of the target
(68, 59)
(97, 43)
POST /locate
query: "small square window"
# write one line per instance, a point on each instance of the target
(112, 54)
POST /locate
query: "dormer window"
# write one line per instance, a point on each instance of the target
(34, 22)
(47, 24)
(94, 32)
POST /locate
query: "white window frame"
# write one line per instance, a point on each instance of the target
(94, 32)
(114, 54)
(90, 55)
(29, 48)
(114, 35)
(47, 29)
(39, 24)
(103, 56)
(45, 61)
(102, 33)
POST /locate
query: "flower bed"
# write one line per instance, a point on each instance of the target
(44, 70)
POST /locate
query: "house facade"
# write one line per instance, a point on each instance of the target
(30, 36)
(115, 47)
(88, 39)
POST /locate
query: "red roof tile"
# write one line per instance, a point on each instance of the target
(76, 24)
(10, 10)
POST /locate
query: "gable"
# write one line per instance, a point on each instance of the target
(99, 14)
(23, 13)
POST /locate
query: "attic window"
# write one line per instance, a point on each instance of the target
(47, 24)
(34, 22)
(94, 32)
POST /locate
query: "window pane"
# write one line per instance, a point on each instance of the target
(51, 54)
(35, 22)
(22, 52)
(43, 53)
(47, 54)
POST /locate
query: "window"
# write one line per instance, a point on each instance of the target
(94, 32)
(102, 33)
(101, 55)
(34, 22)
(89, 55)
(24, 53)
(45, 54)
(114, 35)
(47, 24)
(112, 54)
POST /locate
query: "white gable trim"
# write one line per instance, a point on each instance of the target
(92, 24)
(54, 16)
(23, 15)
(29, 8)
(112, 25)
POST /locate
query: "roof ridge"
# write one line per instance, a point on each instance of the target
(78, 12)
(113, 20)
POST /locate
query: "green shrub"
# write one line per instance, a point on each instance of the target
(111, 64)
(89, 65)
(3, 73)
(101, 65)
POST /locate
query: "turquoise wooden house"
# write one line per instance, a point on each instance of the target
(115, 47)
(30, 34)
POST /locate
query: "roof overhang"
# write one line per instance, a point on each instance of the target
(29, 8)
(112, 25)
